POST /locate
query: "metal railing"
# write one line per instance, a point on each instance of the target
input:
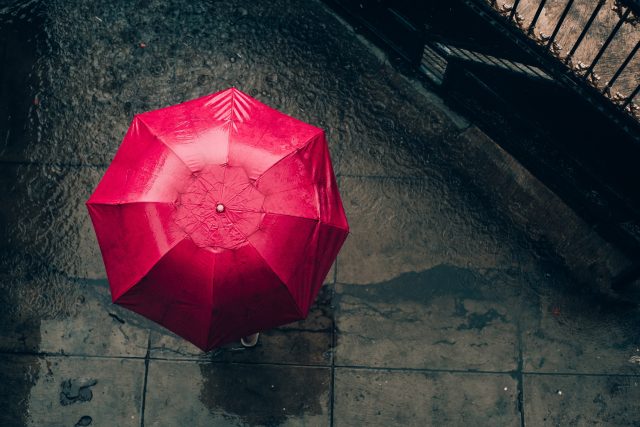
(628, 14)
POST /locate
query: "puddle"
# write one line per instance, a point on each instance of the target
(422, 287)
(76, 391)
(264, 395)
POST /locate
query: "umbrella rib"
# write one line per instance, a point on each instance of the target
(237, 194)
(224, 177)
(163, 142)
(138, 279)
(291, 154)
(132, 202)
(293, 187)
(310, 219)
(293, 300)
(287, 215)
(296, 216)
(212, 299)
(295, 304)
(279, 214)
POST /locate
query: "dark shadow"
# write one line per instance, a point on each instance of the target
(422, 287)
(264, 394)
(21, 39)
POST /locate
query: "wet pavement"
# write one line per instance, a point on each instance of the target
(440, 310)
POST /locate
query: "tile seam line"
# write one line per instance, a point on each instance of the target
(579, 374)
(53, 164)
(67, 355)
(223, 362)
(519, 375)
(423, 370)
(300, 365)
(146, 377)
(194, 359)
(333, 340)
(462, 371)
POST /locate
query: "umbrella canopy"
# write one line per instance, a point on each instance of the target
(218, 217)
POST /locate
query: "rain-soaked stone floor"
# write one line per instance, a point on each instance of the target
(438, 311)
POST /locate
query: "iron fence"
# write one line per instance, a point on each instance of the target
(628, 14)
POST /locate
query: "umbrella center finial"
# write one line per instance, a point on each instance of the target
(220, 208)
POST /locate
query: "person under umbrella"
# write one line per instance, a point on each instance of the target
(218, 218)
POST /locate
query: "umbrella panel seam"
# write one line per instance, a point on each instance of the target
(162, 141)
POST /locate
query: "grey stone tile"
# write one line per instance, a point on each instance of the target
(45, 225)
(56, 391)
(97, 328)
(71, 318)
(568, 330)
(567, 400)
(400, 226)
(442, 318)
(307, 342)
(224, 394)
(383, 398)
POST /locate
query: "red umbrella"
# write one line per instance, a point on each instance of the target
(218, 218)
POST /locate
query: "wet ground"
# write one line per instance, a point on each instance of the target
(438, 311)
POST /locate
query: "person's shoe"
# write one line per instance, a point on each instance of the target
(250, 340)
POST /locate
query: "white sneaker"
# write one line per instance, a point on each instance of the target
(250, 340)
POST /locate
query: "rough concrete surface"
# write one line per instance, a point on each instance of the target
(440, 310)
(366, 397)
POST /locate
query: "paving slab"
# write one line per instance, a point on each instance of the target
(412, 225)
(567, 330)
(68, 391)
(98, 328)
(386, 398)
(306, 342)
(71, 318)
(569, 400)
(222, 394)
(45, 226)
(442, 318)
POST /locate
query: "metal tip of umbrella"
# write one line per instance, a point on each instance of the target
(220, 208)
